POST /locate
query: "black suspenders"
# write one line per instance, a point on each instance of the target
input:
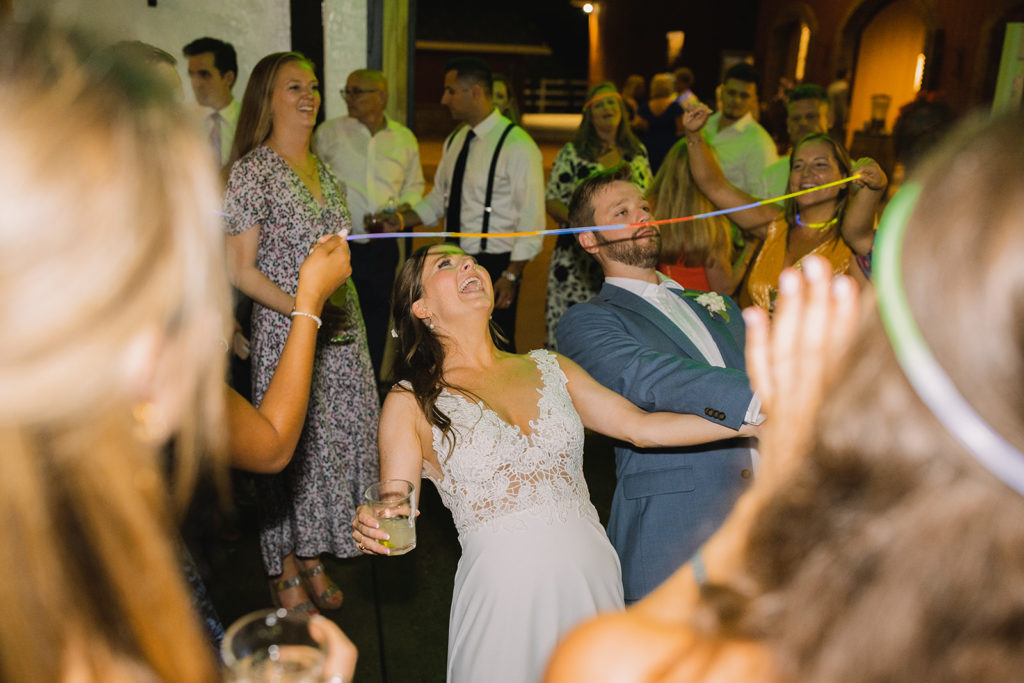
(485, 224)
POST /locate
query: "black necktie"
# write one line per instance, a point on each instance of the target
(452, 221)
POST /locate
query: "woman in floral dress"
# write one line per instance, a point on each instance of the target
(280, 199)
(604, 139)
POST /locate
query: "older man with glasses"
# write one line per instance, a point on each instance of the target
(379, 160)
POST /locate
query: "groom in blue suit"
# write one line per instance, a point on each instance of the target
(664, 349)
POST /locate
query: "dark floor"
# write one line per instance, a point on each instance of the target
(396, 608)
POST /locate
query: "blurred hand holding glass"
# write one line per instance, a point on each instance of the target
(272, 646)
(393, 503)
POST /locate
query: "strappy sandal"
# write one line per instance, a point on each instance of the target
(279, 586)
(331, 597)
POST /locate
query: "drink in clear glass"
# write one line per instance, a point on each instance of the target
(393, 503)
(272, 646)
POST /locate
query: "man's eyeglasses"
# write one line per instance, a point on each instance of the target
(355, 92)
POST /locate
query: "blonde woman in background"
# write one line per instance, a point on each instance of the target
(115, 301)
(696, 254)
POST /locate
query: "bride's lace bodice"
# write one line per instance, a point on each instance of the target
(496, 470)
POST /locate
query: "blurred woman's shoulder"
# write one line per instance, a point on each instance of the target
(627, 646)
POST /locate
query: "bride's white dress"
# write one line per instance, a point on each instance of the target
(535, 559)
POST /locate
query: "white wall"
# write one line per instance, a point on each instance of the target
(344, 49)
(254, 27)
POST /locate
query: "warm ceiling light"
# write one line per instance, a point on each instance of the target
(588, 7)
(801, 52)
(919, 73)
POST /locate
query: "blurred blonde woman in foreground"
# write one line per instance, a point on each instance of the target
(115, 302)
(883, 539)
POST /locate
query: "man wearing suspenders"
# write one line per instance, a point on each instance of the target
(490, 180)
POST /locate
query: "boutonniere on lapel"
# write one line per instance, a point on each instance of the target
(713, 301)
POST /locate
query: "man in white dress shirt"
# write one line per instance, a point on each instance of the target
(807, 112)
(487, 142)
(213, 69)
(665, 349)
(743, 147)
(378, 159)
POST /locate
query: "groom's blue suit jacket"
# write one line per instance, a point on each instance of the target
(667, 502)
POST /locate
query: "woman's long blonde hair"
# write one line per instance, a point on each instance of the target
(114, 304)
(675, 195)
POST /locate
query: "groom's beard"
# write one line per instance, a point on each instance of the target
(631, 251)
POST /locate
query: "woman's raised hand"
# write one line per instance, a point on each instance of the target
(789, 358)
(871, 174)
(340, 664)
(694, 118)
(326, 268)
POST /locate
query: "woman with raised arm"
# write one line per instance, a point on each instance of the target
(501, 437)
(835, 223)
(280, 199)
(603, 140)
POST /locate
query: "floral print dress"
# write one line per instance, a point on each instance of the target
(574, 275)
(307, 509)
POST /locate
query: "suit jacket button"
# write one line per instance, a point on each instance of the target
(709, 412)
(721, 415)
(745, 474)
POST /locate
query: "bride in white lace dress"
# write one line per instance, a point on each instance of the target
(501, 437)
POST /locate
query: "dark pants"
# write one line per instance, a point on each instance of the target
(241, 370)
(504, 318)
(373, 272)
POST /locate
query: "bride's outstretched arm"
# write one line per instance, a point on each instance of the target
(400, 442)
(604, 411)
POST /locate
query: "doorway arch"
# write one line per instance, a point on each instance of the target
(784, 43)
(880, 41)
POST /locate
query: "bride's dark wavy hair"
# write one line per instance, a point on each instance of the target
(420, 357)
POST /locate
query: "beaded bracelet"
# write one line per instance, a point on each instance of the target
(319, 322)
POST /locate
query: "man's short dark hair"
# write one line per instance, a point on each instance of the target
(224, 57)
(581, 206)
(685, 76)
(744, 72)
(808, 91)
(472, 69)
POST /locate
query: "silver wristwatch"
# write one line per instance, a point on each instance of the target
(511, 277)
